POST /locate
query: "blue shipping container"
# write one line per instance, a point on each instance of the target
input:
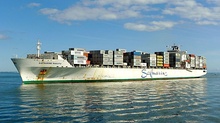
(136, 53)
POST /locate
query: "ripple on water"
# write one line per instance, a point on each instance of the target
(150, 101)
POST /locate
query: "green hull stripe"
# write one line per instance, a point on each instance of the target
(104, 80)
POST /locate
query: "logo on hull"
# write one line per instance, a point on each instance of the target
(151, 73)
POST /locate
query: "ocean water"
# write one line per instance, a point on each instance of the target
(177, 101)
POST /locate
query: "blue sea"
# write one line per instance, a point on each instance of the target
(168, 101)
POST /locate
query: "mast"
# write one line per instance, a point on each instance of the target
(38, 48)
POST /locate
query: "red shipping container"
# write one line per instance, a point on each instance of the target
(166, 65)
(88, 62)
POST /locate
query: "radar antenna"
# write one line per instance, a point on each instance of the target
(174, 48)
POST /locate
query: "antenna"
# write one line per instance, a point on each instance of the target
(38, 48)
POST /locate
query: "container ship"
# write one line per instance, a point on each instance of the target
(78, 65)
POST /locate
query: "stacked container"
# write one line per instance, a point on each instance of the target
(165, 60)
(122, 50)
(200, 62)
(192, 59)
(135, 58)
(118, 57)
(132, 58)
(76, 56)
(101, 57)
(86, 54)
(175, 59)
(149, 59)
(183, 56)
(145, 58)
(159, 60)
(153, 60)
(197, 62)
(204, 63)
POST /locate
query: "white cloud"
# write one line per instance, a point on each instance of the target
(207, 23)
(103, 10)
(48, 11)
(201, 13)
(75, 13)
(123, 2)
(194, 11)
(153, 26)
(31, 5)
(213, 1)
(3, 37)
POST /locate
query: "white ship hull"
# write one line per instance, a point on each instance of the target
(61, 71)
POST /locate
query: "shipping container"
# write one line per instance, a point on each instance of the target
(143, 64)
(118, 56)
(118, 63)
(136, 53)
(191, 55)
(135, 64)
(122, 50)
(118, 52)
(88, 62)
(78, 62)
(125, 64)
(153, 65)
(97, 51)
(166, 65)
(108, 52)
(136, 60)
(72, 52)
(77, 49)
(86, 54)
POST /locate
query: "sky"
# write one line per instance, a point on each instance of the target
(144, 25)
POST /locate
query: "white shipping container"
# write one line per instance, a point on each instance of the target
(125, 64)
(136, 64)
(118, 63)
(153, 65)
(153, 58)
(118, 56)
(166, 62)
(76, 53)
(118, 52)
(153, 55)
(104, 59)
(188, 65)
(153, 61)
(183, 58)
(108, 52)
(201, 65)
(143, 64)
(135, 60)
(105, 55)
(107, 63)
(79, 61)
(192, 64)
(123, 50)
(77, 49)
(118, 60)
(77, 57)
